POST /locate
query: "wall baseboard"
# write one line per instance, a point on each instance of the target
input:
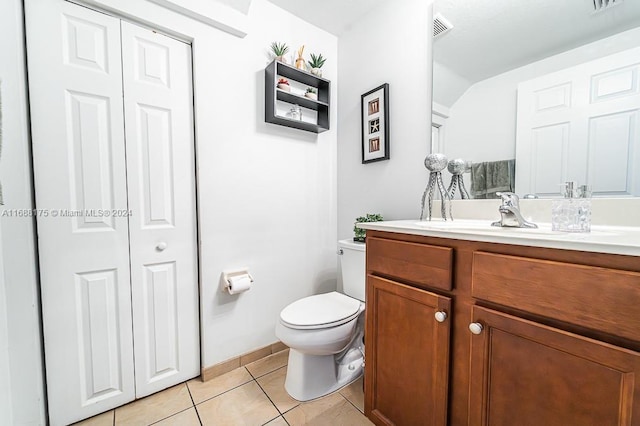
(208, 373)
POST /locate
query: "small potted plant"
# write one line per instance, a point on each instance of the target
(279, 50)
(316, 63)
(360, 233)
(283, 84)
(312, 93)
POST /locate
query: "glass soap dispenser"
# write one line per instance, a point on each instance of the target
(572, 213)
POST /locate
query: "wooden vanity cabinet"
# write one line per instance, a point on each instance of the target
(554, 336)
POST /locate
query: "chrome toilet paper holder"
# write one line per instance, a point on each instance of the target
(230, 273)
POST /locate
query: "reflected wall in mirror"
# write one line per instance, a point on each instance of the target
(553, 85)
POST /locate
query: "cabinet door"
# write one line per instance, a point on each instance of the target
(407, 354)
(524, 373)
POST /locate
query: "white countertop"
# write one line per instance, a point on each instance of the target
(623, 240)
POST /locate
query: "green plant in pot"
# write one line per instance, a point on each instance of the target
(279, 50)
(360, 233)
(316, 63)
(311, 93)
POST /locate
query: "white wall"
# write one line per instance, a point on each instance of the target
(266, 193)
(482, 123)
(21, 382)
(6, 408)
(392, 44)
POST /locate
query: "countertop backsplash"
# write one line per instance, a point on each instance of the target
(605, 211)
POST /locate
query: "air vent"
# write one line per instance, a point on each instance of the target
(441, 25)
(602, 5)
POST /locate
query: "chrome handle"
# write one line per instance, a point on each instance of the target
(161, 246)
(475, 327)
(340, 252)
(509, 199)
(441, 316)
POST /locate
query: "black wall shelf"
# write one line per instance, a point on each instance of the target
(276, 70)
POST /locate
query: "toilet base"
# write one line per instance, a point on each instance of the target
(312, 376)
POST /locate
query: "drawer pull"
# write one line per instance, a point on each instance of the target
(475, 327)
(441, 316)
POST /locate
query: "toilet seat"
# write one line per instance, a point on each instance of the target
(320, 311)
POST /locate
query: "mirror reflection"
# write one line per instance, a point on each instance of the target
(535, 93)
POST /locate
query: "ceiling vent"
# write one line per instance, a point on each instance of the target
(603, 5)
(442, 26)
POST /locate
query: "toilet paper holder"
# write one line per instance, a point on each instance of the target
(228, 274)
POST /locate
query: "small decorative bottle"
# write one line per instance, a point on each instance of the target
(300, 63)
(572, 213)
(295, 113)
(584, 209)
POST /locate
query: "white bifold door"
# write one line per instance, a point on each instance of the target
(113, 148)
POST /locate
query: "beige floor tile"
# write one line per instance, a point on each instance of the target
(104, 419)
(273, 385)
(154, 407)
(184, 418)
(201, 391)
(355, 394)
(268, 364)
(246, 405)
(331, 410)
(278, 421)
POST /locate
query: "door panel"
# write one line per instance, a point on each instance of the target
(159, 287)
(160, 157)
(75, 88)
(97, 308)
(529, 374)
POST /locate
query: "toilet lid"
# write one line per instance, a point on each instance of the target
(322, 309)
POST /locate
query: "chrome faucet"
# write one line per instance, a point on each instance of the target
(510, 211)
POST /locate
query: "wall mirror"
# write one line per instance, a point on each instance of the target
(553, 85)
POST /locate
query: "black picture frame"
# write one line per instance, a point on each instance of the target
(374, 128)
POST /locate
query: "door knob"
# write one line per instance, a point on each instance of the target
(441, 316)
(475, 327)
(161, 246)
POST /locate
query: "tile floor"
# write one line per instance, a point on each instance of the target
(250, 395)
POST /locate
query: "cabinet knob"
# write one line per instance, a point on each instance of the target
(441, 316)
(161, 246)
(475, 327)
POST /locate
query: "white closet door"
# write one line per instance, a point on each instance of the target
(79, 165)
(161, 176)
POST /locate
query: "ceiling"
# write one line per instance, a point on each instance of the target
(334, 16)
(490, 37)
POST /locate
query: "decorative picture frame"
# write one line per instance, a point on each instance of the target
(374, 108)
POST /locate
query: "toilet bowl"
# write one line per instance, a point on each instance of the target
(325, 333)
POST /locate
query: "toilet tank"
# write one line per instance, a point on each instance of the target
(352, 263)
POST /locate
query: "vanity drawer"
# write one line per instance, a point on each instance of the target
(424, 265)
(602, 299)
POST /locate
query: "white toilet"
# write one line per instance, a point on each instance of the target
(325, 332)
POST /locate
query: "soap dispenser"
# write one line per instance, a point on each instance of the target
(572, 213)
